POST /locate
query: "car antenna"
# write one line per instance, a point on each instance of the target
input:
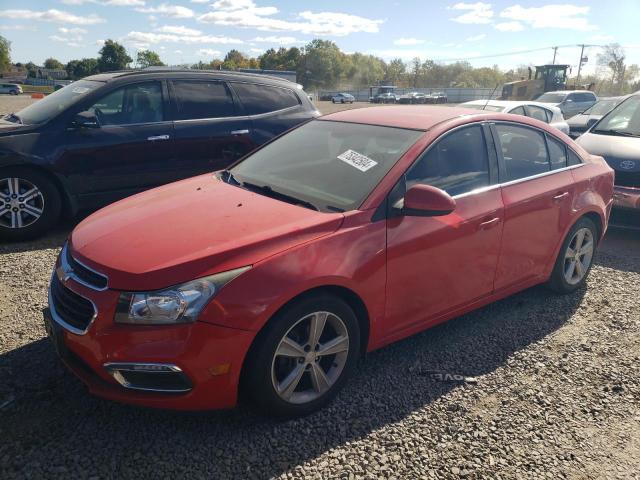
(491, 97)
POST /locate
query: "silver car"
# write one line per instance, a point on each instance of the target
(616, 137)
(10, 88)
(570, 102)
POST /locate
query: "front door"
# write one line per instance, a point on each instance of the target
(130, 150)
(211, 130)
(436, 264)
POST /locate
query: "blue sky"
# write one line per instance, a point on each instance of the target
(191, 30)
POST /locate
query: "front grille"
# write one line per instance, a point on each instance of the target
(74, 310)
(84, 274)
(627, 179)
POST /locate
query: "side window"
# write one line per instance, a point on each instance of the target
(258, 99)
(518, 111)
(524, 151)
(196, 99)
(557, 153)
(457, 164)
(539, 113)
(573, 159)
(137, 103)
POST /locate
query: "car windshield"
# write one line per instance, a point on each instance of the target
(330, 166)
(624, 120)
(488, 108)
(602, 107)
(45, 109)
(551, 97)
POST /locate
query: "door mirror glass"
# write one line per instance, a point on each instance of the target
(426, 201)
(86, 119)
(591, 122)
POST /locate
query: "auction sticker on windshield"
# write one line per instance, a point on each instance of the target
(357, 160)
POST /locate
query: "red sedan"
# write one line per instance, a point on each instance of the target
(350, 232)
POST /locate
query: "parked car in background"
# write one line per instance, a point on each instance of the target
(387, 97)
(343, 98)
(436, 97)
(412, 97)
(580, 123)
(616, 137)
(111, 135)
(279, 273)
(570, 102)
(10, 88)
(543, 112)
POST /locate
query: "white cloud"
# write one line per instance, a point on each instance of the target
(145, 39)
(256, 50)
(276, 39)
(602, 38)
(99, 43)
(73, 31)
(115, 3)
(509, 26)
(476, 38)
(246, 14)
(16, 27)
(52, 15)
(199, 1)
(566, 16)
(179, 30)
(174, 11)
(477, 13)
(407, 41)
(70, 36)
(207, 52)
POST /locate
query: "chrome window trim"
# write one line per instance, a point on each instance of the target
(59, 320)
(69, 273)
(114, 368)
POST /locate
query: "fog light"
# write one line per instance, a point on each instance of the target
(151, 377)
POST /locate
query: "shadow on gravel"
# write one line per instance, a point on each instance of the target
(53, 428)
(620, 250)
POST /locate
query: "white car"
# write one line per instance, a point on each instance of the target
(544, 112)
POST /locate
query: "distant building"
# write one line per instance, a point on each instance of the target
(14, 74)
(53, 73)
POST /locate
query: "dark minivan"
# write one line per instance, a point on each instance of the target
(111, 135)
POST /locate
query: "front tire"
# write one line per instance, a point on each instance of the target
(575, 258)
(303, 357)
(30, 203)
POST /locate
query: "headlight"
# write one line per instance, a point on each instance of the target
(179, 304)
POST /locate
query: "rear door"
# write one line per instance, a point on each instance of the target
(272, 109)
(211, 131)
(537, 191)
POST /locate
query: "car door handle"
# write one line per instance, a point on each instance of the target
(560, 196)
(239, 132)
(158, 137)
(489, 223)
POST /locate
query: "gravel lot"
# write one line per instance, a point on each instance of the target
(554, 393)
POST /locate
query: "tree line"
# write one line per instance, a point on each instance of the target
(321, 65)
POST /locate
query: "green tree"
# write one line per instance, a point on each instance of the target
(149, 58)
(32, 69)
(322, 64)
(53, 64)
(235, 59)
(394, 71)
(113, 56)
(82, 68)
(5, 54)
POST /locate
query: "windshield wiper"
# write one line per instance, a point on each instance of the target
(270, 192)
(16, 118)
(622, 133)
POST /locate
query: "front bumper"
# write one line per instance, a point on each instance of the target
(208, 356)
(626, 197)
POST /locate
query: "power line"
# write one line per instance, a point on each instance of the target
(507, 54)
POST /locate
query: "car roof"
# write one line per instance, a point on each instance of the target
(187, 73)
(510, 103)
(411, 116)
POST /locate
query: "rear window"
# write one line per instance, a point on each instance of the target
(258, 99)
(196, 99)
(551, 97)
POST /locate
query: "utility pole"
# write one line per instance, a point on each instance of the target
(555, 50)
(580, 65)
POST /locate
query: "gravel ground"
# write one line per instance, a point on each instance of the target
(552, 390)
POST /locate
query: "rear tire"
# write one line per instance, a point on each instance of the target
(30, 204)
(575, 258)
(285, 375)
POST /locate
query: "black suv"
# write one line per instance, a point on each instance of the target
(110, 135)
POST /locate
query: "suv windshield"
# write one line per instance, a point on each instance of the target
(601, 107)
(332, 166)
(551, 97)
(623, 120)
(45, 109)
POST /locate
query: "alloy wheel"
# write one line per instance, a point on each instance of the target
(21, 203)
(578, 255)
(310, 357)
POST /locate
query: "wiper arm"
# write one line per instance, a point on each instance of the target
(13, 115)
(622, 133)
(270, 192)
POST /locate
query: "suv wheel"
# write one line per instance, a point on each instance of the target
(304, 357)
(29, 203)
